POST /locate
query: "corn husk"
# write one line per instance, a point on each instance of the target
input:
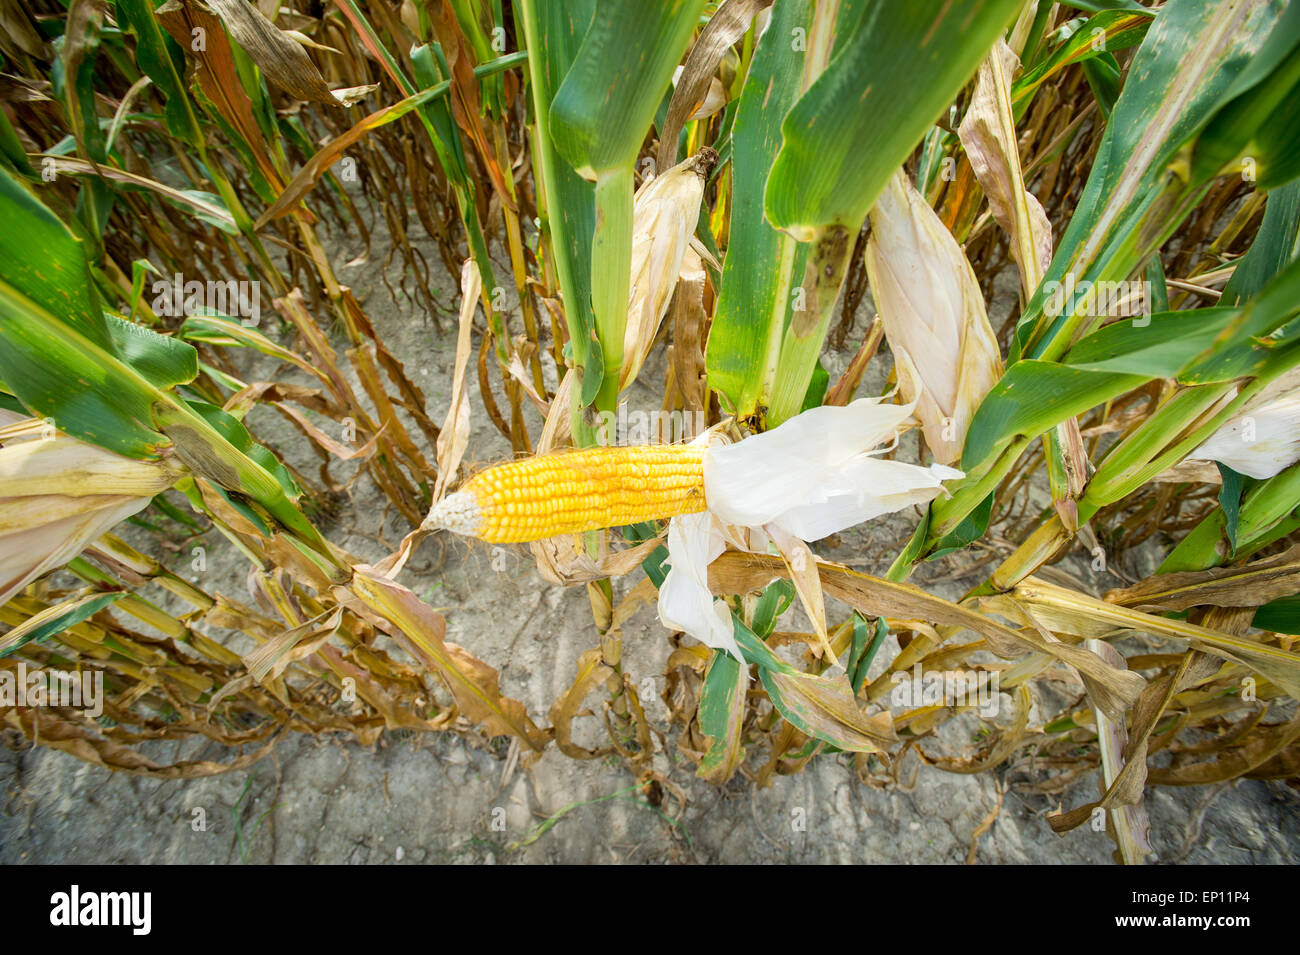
(1262, 441)
(59, 494)
(933, 313)
(811, 476)
(665, 212)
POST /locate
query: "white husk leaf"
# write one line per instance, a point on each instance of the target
(1262, 442)
(685, 601)
(812, 476)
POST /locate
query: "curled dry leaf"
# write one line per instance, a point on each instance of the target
(1066, 611)
(1122, 795)
(270, 659)
(823, 705)
(37, 723)
(1251, 585)
(592, 674)
(999, 748)
(455, 429)
(1127, 786)
(420, 630)
(565, 561)
(988, 134)
(735, 572)
(694, 80)
(1267, 752)
(689, 323)
(315, 167)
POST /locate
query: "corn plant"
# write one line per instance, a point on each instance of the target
(697, 189)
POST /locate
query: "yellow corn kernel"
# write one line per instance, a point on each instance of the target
(552, 494)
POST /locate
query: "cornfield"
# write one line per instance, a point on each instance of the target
(1022, 273)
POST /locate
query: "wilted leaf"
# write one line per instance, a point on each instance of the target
(692, 84)
(421, 630)
(280, 57)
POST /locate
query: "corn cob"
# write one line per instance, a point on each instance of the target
(552, 494)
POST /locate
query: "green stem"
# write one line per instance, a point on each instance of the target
(611, 271)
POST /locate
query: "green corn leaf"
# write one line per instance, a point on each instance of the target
(57, 618)
(11, 149)
(1157, 346)
(774, 601)
(1120, 29)
(607, 101)
(889, 80)
(1230, 501)
(893, 70)
(867, 641)
(1267, 505)
(598, 120)
(1034, 396)
(1102, 73)
(1281, 615)
(122, 375)
(722, 716)
(1275, 245)
(569, 201)
(1197, 56)
(970, 529)
(1097, 6)
(821, 706)
(1258, 123)
(160, 58)
(755, 301)
(445, 137)
(56, 334)
(46, 263)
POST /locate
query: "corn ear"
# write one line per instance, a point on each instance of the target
(933, 313)
(664, 213)
(58, 495)
(552, 494)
